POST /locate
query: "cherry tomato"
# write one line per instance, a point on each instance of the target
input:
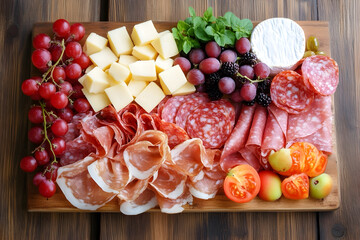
(242, 183)
(306, 159)
(296, 186)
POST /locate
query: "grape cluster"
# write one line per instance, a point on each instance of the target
(232, 71)
(58, 94)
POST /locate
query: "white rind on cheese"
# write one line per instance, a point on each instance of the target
(279, 43)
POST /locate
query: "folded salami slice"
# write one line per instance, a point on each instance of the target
(289, 92)
(231, 156)
(175, 134)
(321, 74)
(79, 188)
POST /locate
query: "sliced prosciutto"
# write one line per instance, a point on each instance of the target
(79, 188)
(145, 201)
(145, 156)
(133, 189)
(205, 188)
(174, 205)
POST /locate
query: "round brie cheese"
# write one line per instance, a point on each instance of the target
(279, 43)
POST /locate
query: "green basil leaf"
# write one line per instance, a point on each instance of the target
(201, 34)
(190, 32)
(210, 30)
(183, 26)
(192, 12)
(219, 39)
(228, 17)
(208, 14)
(230, 37)
(189, 20)
(186, 47)
(247, 25)
(235, 22)
(175, 33)
(224, 21)
(194, 42)
(219, 25)
(198, 21)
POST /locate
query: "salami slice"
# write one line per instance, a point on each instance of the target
(171, 107)
(186, 109)
(321, 73)
(289, 92)
(211, 124)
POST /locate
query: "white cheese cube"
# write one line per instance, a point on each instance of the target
(172, 79)
(162, 64)
(165, 45)
(143, 70)
(145, 52)
(96, 81)
(163, 32)
(104, 58)
(120, 41)
(119, 72)
(89, 68)
(185, 90)
(82, 79)
(144, 33)
(136, 87)
(119, 95)
(150, 97)
(97, 101)
(126, 60)
(94, 43)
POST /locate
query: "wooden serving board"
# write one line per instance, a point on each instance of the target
(58, 203)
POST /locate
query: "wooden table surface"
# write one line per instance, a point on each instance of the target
(16, 21)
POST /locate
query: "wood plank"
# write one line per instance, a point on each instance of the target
(17, 19)
(220, 203)
(345, 36)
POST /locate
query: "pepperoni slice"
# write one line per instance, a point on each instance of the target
(171, 107)
(211, 124)
(321, 74)
(289, 92)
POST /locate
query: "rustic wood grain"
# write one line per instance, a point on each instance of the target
(16, 21)
(344, 24)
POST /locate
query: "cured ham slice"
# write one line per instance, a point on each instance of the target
(104, 135)
(313, 126)
(206, 188)
(76, 150)
(133, 190)
(231, 156)
(145, 157)
(110, 175)
(79, 188)
(169, 183)
(145, 201)
(174, 205)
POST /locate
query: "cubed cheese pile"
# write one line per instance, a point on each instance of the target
(136, 68)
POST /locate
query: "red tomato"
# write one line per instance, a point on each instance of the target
(296, 186)
(242, 183)
(306, 159)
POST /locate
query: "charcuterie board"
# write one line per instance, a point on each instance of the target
(58, 202)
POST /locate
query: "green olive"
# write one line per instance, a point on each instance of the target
(320, 53)
(308, 54)
(312, 44)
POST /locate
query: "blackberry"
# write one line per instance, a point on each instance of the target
(213, 78)
(211, 86)
(248, 58)
(249, 103)
(263, 99)
(264, 86)
(229, 69)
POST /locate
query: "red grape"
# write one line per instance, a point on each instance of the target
(196, 55)
(38, 178)
(41, 58)
(247, 71)
(52, 171)
(82, 105)
(66, 114)
(236, 96)
(77, 31)
(261, 70)
(77, 91)
(35, 114)
(36, 96)
(195, 76)
(47, 188)
(58, 145)
(59, 127)
(242, 45)
(28, 164)
(228, 56)
(73, 71)
(56, 51)
(30, 87)
(61, 28)
(46, 90)
(248, 91)
(66, 87)
(73, 50)
(184, 64)
(226, 85)
(212, 49)
(209, 65)
(36, 134)
(59, 74)
(59, 100)
(83, 61)
(41, 40)
(42, 157)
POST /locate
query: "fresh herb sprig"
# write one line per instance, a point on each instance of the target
(225, 30)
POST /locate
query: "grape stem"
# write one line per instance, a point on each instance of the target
(250, 80)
